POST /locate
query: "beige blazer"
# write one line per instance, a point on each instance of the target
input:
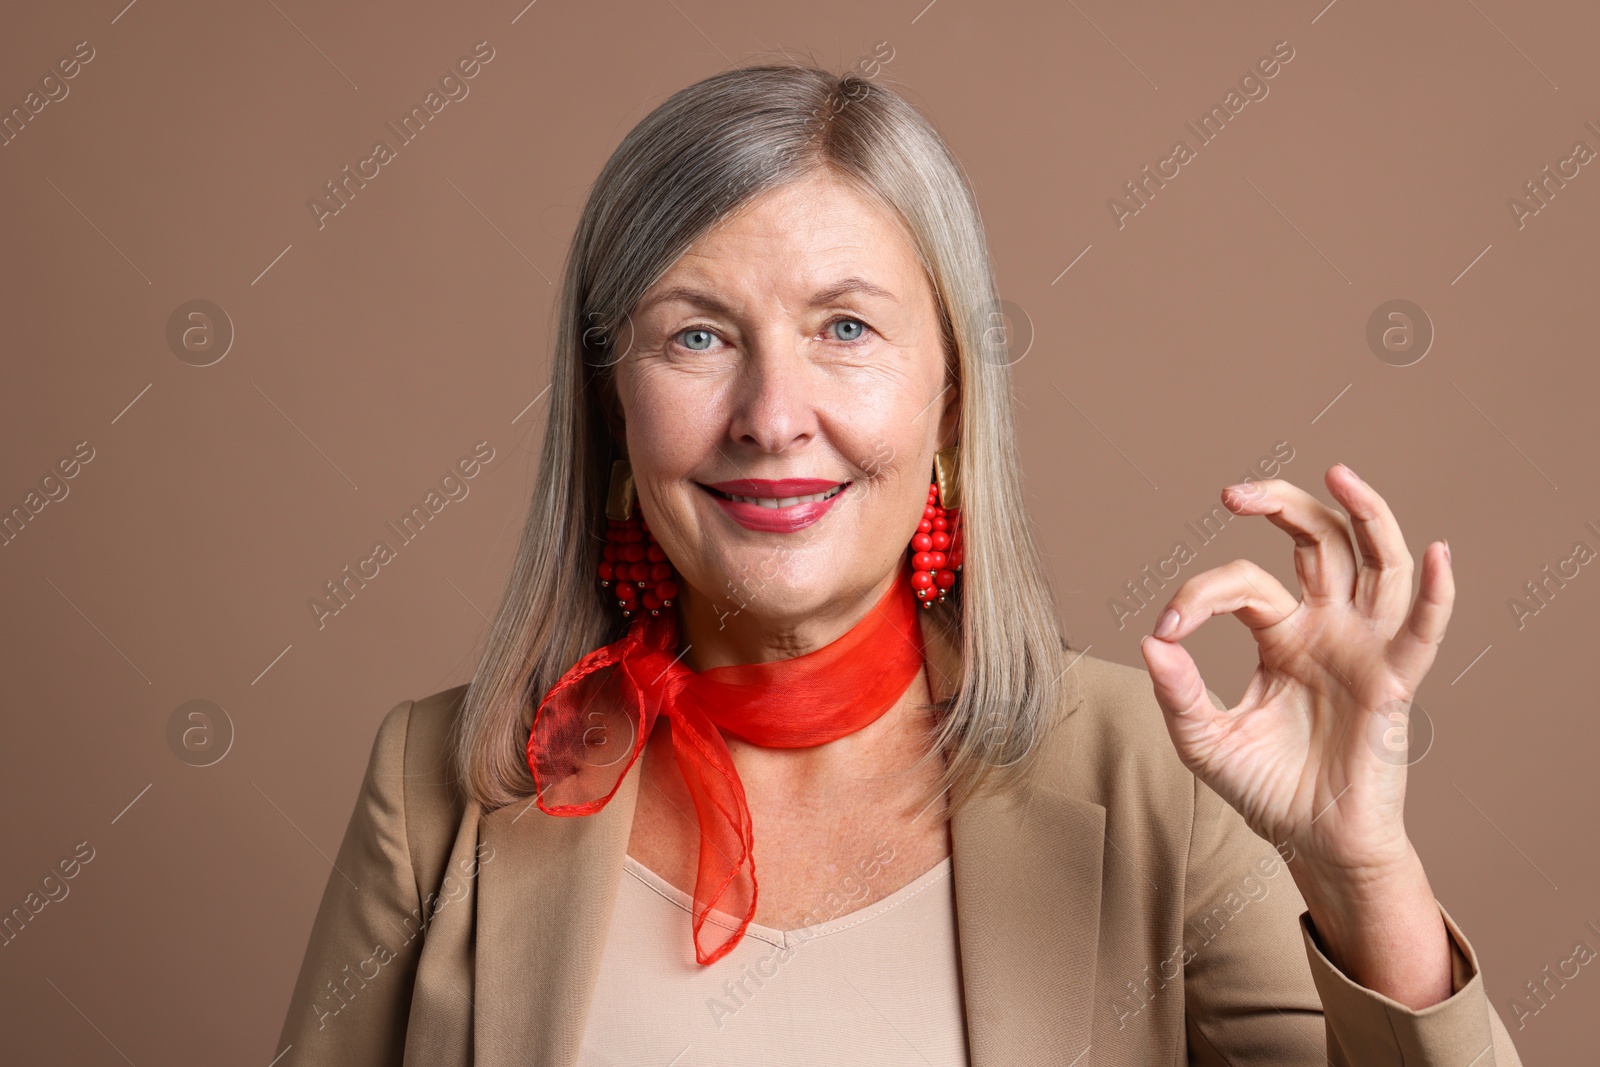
(1119, 913)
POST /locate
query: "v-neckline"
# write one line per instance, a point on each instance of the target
(787, 938)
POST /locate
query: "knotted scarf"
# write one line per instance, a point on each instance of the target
(593, 723)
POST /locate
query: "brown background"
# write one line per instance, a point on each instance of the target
(373, 353)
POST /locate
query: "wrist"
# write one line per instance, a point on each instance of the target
(1380, 926)
(1356, 887)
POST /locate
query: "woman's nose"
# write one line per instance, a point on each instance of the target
(774, 402)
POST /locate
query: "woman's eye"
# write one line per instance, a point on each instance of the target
(848, 329)
(696, 339)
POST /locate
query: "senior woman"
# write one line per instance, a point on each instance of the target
(776, 753)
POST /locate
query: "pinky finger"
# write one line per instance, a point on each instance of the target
(1414, 647)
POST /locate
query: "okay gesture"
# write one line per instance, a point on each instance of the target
(1309, 756)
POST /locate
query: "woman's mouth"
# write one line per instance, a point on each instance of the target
(781, 502)
(776, 506)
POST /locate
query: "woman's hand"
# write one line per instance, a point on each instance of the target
(1308, 756)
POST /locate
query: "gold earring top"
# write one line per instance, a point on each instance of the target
(947, 474)
(620, 496)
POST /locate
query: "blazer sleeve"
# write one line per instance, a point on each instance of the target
(1259, 990)
(353, 993)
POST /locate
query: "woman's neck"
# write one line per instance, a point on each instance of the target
(815, 810)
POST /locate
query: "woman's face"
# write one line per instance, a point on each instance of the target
(799, 342)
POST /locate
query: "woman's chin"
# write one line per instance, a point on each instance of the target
(777, 598)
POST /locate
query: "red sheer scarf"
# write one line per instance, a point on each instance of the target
(593, 723)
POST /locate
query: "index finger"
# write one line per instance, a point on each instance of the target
(1324, 558)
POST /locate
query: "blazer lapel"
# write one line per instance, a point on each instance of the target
(1026, 868)
(544, 907)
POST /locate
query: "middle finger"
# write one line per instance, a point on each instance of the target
(1383, 588)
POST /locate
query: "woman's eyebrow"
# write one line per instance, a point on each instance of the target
(851, 285)
(712, 302)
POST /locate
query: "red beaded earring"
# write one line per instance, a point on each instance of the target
(632, 563)
(936, 546)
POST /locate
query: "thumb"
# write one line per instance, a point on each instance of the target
(1182, 695)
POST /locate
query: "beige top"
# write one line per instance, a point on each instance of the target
(879, 985)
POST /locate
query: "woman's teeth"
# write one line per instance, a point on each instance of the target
(786, 501)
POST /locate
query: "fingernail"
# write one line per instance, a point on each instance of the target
(1168, 624)
(1346, 466)
(1447, 558)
